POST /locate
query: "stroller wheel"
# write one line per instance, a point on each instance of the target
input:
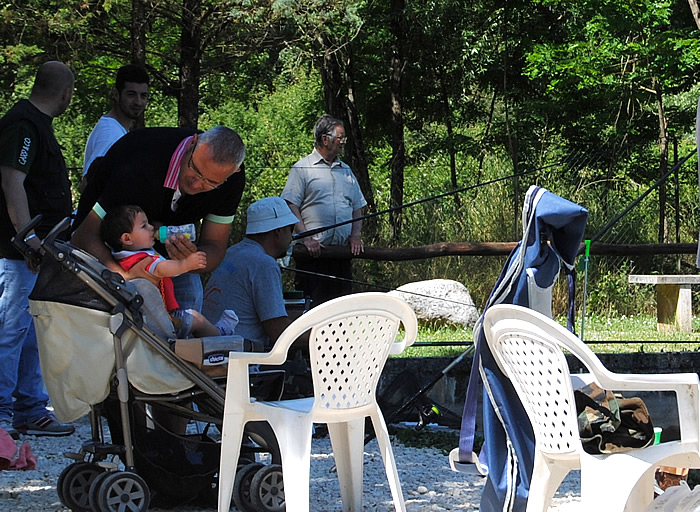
(94, 488)
(241, 487)
(123, 490)
(267, 489)
(74, 485)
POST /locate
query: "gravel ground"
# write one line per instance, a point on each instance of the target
(428, 483)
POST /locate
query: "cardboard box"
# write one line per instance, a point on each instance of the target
(209, 354)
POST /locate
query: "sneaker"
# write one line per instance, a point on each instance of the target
(228, 322)
(6, 425)
(46, 426)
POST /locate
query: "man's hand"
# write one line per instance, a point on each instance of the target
(35, 245)
(179, 247)
(356, 245)
(313, 246)
(196, 260)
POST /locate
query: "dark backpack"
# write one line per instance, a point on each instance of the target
(609, 423)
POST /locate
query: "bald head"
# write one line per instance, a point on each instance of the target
(51, 79)
(53, 87)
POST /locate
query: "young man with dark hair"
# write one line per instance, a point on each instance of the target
(129, 99)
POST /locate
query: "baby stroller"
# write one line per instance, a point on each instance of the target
(107, 349)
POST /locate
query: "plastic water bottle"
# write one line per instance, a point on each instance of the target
(165, 232)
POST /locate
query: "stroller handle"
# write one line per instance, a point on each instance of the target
(23, 247)
(49, 244)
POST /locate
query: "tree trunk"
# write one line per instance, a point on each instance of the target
(339, 96)
(139, 29)
(663, 159)
(331, 76)
(696, 11)
(482, 153)
(450, 135)
(511, 137)
(398, 147)
(190, 51)
(356, 155)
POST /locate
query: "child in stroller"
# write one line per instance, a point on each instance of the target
(106, 351)
(129, 235)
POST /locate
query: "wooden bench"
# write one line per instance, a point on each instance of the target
(674, 303)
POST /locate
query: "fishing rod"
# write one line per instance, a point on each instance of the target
(634, 203)
(376, 286)
(397, 208)
(321, 229)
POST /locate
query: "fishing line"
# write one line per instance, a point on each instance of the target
(377, 286)
(634, 203)
(564, 162)
(314, 231)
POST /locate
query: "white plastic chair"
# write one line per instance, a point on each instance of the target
(349, 341)
(527, 347)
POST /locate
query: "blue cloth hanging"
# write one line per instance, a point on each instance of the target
(553, 229)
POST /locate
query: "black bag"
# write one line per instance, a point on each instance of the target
(609, 423)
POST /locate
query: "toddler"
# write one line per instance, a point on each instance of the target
(129, 235)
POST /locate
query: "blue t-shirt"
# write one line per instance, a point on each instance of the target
(248, 281)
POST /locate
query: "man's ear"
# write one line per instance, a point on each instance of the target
(115, 95)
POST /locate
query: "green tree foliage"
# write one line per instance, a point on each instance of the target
(599, 61)
(576, 96)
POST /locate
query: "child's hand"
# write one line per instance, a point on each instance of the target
(197, 260)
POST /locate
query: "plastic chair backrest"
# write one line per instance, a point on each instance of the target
(347, 357)
(538, 370)
(350, 338)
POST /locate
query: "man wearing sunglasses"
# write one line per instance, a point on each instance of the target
(177, 176)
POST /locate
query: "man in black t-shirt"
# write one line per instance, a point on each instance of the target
(176, 176)
(34, 180)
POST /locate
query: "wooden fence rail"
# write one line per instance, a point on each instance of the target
(485, 249)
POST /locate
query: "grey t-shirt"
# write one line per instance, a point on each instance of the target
(248, 281)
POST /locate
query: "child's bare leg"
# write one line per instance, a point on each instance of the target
(202, 327)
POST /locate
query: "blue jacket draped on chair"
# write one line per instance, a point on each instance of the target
(553, 229)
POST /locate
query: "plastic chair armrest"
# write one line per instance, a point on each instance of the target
(272, 358)
(684, 385)
(678, 382)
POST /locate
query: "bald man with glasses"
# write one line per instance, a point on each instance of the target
(177, 176)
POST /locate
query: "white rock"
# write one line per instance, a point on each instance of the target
(442, 301)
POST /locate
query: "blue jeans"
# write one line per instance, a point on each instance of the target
(20, 373)
(188, 291)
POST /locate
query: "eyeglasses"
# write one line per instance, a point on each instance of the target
(206, 181)
(341, 140)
